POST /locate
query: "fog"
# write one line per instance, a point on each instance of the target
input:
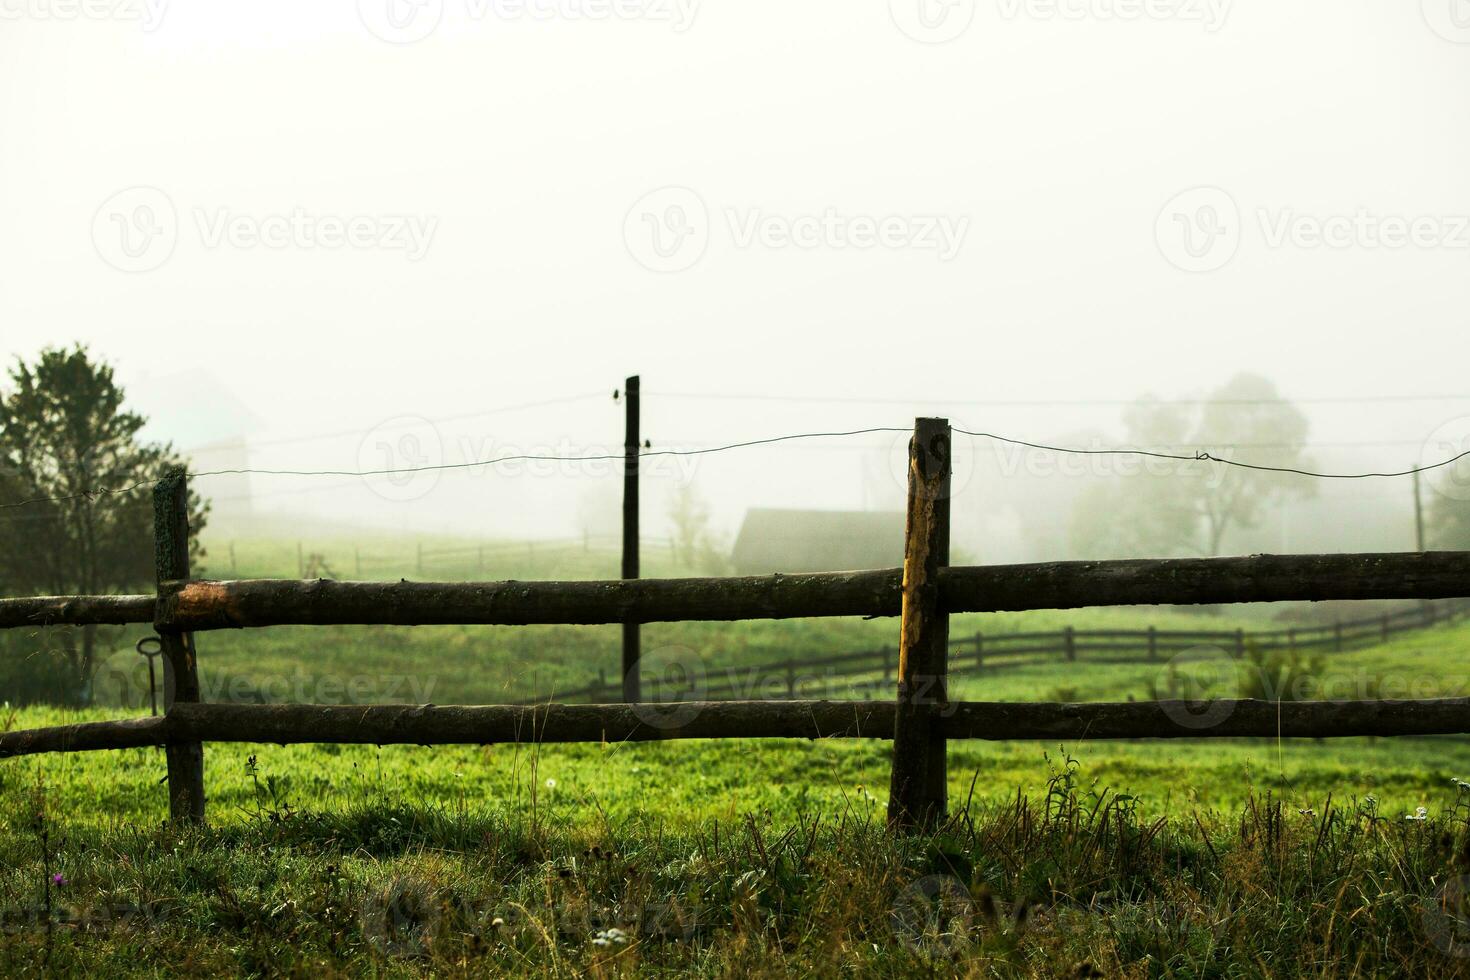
(333, 251)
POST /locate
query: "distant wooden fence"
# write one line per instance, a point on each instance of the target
(919, 719)
(794, 677)
(524, 556)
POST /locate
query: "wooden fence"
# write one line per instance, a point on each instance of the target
(980, 652)
(920, 719)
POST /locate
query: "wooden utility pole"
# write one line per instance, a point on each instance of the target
(181, 672)
(918, 792)
(1418, 515)
(632, 443)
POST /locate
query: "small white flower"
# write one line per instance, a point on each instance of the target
(551, 784)
(1419, 814)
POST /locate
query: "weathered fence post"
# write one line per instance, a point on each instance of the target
(632, 447)
(181, 672)
(918, 789)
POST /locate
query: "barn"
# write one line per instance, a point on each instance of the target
(772, 540)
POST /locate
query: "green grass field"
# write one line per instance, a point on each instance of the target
(1214, 858)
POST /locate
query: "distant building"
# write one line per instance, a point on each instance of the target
(817, 541)
(208, 426)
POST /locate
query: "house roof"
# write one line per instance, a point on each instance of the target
(772, 540)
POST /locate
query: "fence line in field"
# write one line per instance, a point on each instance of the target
(981, 652)
(919, 720)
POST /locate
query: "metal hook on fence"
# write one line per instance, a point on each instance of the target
(157, 648)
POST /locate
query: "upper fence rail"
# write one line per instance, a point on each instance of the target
(210, 605)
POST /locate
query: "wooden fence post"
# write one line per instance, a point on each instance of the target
(632, 447)
(181, 672)
(918, 789)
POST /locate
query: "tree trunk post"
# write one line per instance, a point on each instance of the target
(181, 673)
(632, 446)
(918, 789)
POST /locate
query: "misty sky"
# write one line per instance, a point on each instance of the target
(752, 198)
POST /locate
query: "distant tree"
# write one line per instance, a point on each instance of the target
(690, 516)
(1185, 506)
(65, 437)
(1447, 524)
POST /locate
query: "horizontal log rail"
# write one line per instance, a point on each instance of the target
(77, 610)
(205, 605)
(550, 723)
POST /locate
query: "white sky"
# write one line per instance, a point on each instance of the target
(524, 142)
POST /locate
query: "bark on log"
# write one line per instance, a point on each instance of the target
(546, 723)
(1189, 581)
(86, 737)
(541, 723)
(990, 588)
(263, 602)
(76, 610)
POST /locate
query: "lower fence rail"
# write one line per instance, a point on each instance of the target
(551, 723)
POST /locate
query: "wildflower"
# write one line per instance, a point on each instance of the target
(58, 880)
(609, 937)
(1419, 814)
(551, 784)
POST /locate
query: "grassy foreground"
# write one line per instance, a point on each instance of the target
(1071, 882)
